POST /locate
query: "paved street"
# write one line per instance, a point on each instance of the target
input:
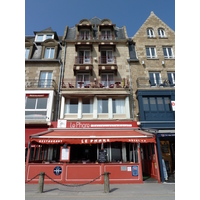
(150, 191)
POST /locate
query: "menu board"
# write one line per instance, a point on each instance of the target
(102, 156)
(65, 154)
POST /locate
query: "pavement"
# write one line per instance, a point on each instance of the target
(150, 191)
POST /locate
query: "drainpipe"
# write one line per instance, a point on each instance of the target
(60, 82)
(132, 107)
(58, 93)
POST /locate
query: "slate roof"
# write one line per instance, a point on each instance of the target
(37, 50)
(119, 32)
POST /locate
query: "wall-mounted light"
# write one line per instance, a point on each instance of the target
(143, 62)
(163, 62)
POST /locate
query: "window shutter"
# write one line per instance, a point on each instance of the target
(151, 79)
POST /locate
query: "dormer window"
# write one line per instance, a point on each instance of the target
(84, 35)
(27, 50)
(106, 35)
(161, 33)
(43, 37)
(49, 52)
(150, 32)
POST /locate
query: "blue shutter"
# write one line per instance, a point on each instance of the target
(158, 78)
(152, 83)
(169, 78)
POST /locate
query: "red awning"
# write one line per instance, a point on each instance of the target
(31, 131)
(92, 136)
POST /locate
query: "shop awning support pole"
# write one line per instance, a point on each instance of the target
(27, 160)
(140, 164)
(158, 170)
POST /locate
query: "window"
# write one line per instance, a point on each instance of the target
(118, 106)
(160, 104)
(82, 80)
(145, 104)
(102, 105)
(171, 78)
(49, 52)
(116, 151)
(107, 80)
(36, 108)
(84, 57)
(161, 32)
(155, 78)
(106, 35)
(27, 50)
(151, 52)
(71, 106)
(150, 32)
(84, 35)
(156, 104)
(43, 37)
(168, 53)
(87, 105)
(153, 106)
(45, 79)
(107, 57)
(167, 104)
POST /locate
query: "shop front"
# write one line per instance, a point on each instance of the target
(78, 152)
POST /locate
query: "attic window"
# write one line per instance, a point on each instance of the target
(43, 37)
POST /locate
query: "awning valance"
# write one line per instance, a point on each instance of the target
(92, 137)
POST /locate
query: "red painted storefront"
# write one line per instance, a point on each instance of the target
(93, 135)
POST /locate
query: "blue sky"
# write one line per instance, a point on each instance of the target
(41, 14)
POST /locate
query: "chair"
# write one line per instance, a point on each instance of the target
(87, 86)
(111, 86)
(101, 86)
(70, 85)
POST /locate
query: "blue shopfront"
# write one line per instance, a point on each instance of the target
(157, 115)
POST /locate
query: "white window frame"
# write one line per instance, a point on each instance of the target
(161, 33)
(172, 76)
(150, 51)
(82, 79)
(150, 33)
(154, 76)
(106, 36)
(83, 34)
(36, 109)
(109, 56)
(85, 60)
(50, 51)
(167, 51)
(106, 83)
(46, 82)
(27, 51)
(44, 36)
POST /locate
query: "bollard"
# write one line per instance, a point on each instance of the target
(41, 182)
(106, 182)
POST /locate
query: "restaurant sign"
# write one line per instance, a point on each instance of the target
(62, 123)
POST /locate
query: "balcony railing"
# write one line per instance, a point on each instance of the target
(107, 60)
(144, 82)
(40, 83)
(95, 83)
(83, 60)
